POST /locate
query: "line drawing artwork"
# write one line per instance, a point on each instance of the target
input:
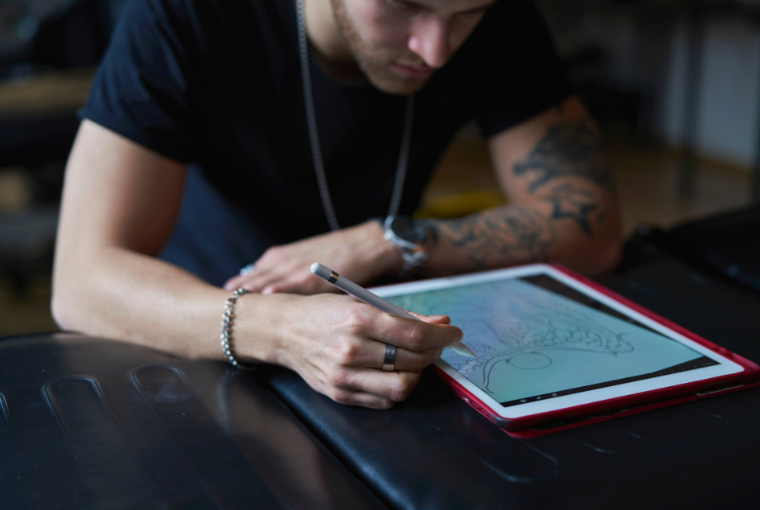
(521, 330)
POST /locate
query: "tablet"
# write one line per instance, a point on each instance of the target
(551, 346)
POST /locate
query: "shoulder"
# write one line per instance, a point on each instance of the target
(144, 21)
(197, 15)
(194, 31)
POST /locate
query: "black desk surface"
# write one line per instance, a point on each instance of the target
(87, 423)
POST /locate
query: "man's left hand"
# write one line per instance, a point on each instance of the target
(359, 253)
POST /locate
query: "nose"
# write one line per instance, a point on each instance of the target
(430, 40)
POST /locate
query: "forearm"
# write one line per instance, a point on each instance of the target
(562, 206)
(555, 228)
(334, 342)
(125, 295)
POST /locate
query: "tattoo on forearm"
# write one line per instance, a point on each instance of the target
(431, 232)
(499, 237)
(574, 203)
(569, 148)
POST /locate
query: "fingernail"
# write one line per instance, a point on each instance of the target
(268, 290)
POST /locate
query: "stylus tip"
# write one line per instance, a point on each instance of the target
(462, 349)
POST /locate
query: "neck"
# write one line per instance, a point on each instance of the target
(331, 50)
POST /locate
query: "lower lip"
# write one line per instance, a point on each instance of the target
(412, 72)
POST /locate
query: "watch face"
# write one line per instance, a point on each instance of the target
(408, 230)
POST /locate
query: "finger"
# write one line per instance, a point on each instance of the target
(302, 284)
(292, 278)
(256, 282)
(233, 283)
(406, 360)
(432, 319)
(361, 399)
(245, 274)
(345, 387)
(394, 386)
(412, 335)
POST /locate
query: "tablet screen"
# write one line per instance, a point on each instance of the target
(536, 339)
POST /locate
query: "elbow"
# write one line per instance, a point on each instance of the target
(598, 260)
(607, 259)
(61, 308)
(607, 252)
(66, 304)
(600, 252)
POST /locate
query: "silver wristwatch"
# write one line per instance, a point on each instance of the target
(410, 237)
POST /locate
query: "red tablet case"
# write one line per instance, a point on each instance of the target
(553, 421)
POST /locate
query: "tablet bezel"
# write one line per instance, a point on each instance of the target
(726, 367)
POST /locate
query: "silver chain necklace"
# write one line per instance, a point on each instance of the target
(316, 153)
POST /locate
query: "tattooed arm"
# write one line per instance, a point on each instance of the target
(561, 209)
(561, 205)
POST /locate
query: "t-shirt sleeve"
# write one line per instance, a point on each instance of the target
(142, 88)
(523, 73)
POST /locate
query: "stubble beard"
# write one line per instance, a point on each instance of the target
(376, 63)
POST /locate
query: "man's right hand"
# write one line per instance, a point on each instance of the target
(337, 344)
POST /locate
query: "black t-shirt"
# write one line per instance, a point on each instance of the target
(217, 84)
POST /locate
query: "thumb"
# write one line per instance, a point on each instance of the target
(433, 319)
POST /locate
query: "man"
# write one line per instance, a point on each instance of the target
(208, 97)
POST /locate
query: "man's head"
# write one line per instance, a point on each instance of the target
(398, 44)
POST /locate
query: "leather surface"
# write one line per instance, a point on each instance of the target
(91, 423)
(433, 451)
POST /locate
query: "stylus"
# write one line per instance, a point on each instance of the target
(371, 299)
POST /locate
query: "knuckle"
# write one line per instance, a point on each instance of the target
(401, 389)
(341, 379)
(339, 396)
(397, 393)
(384, 403)
(355, 323)
(416, 338)
(348, 352)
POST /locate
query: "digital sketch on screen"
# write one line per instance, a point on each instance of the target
(531, 341)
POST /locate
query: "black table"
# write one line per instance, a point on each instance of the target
(91, 423)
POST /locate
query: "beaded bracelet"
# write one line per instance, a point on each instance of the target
(226, 336)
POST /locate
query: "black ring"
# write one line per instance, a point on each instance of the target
(389, 361)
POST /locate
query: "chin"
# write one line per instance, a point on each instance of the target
(398, 89)
(395, 85)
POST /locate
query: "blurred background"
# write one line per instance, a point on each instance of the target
(674, 84)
